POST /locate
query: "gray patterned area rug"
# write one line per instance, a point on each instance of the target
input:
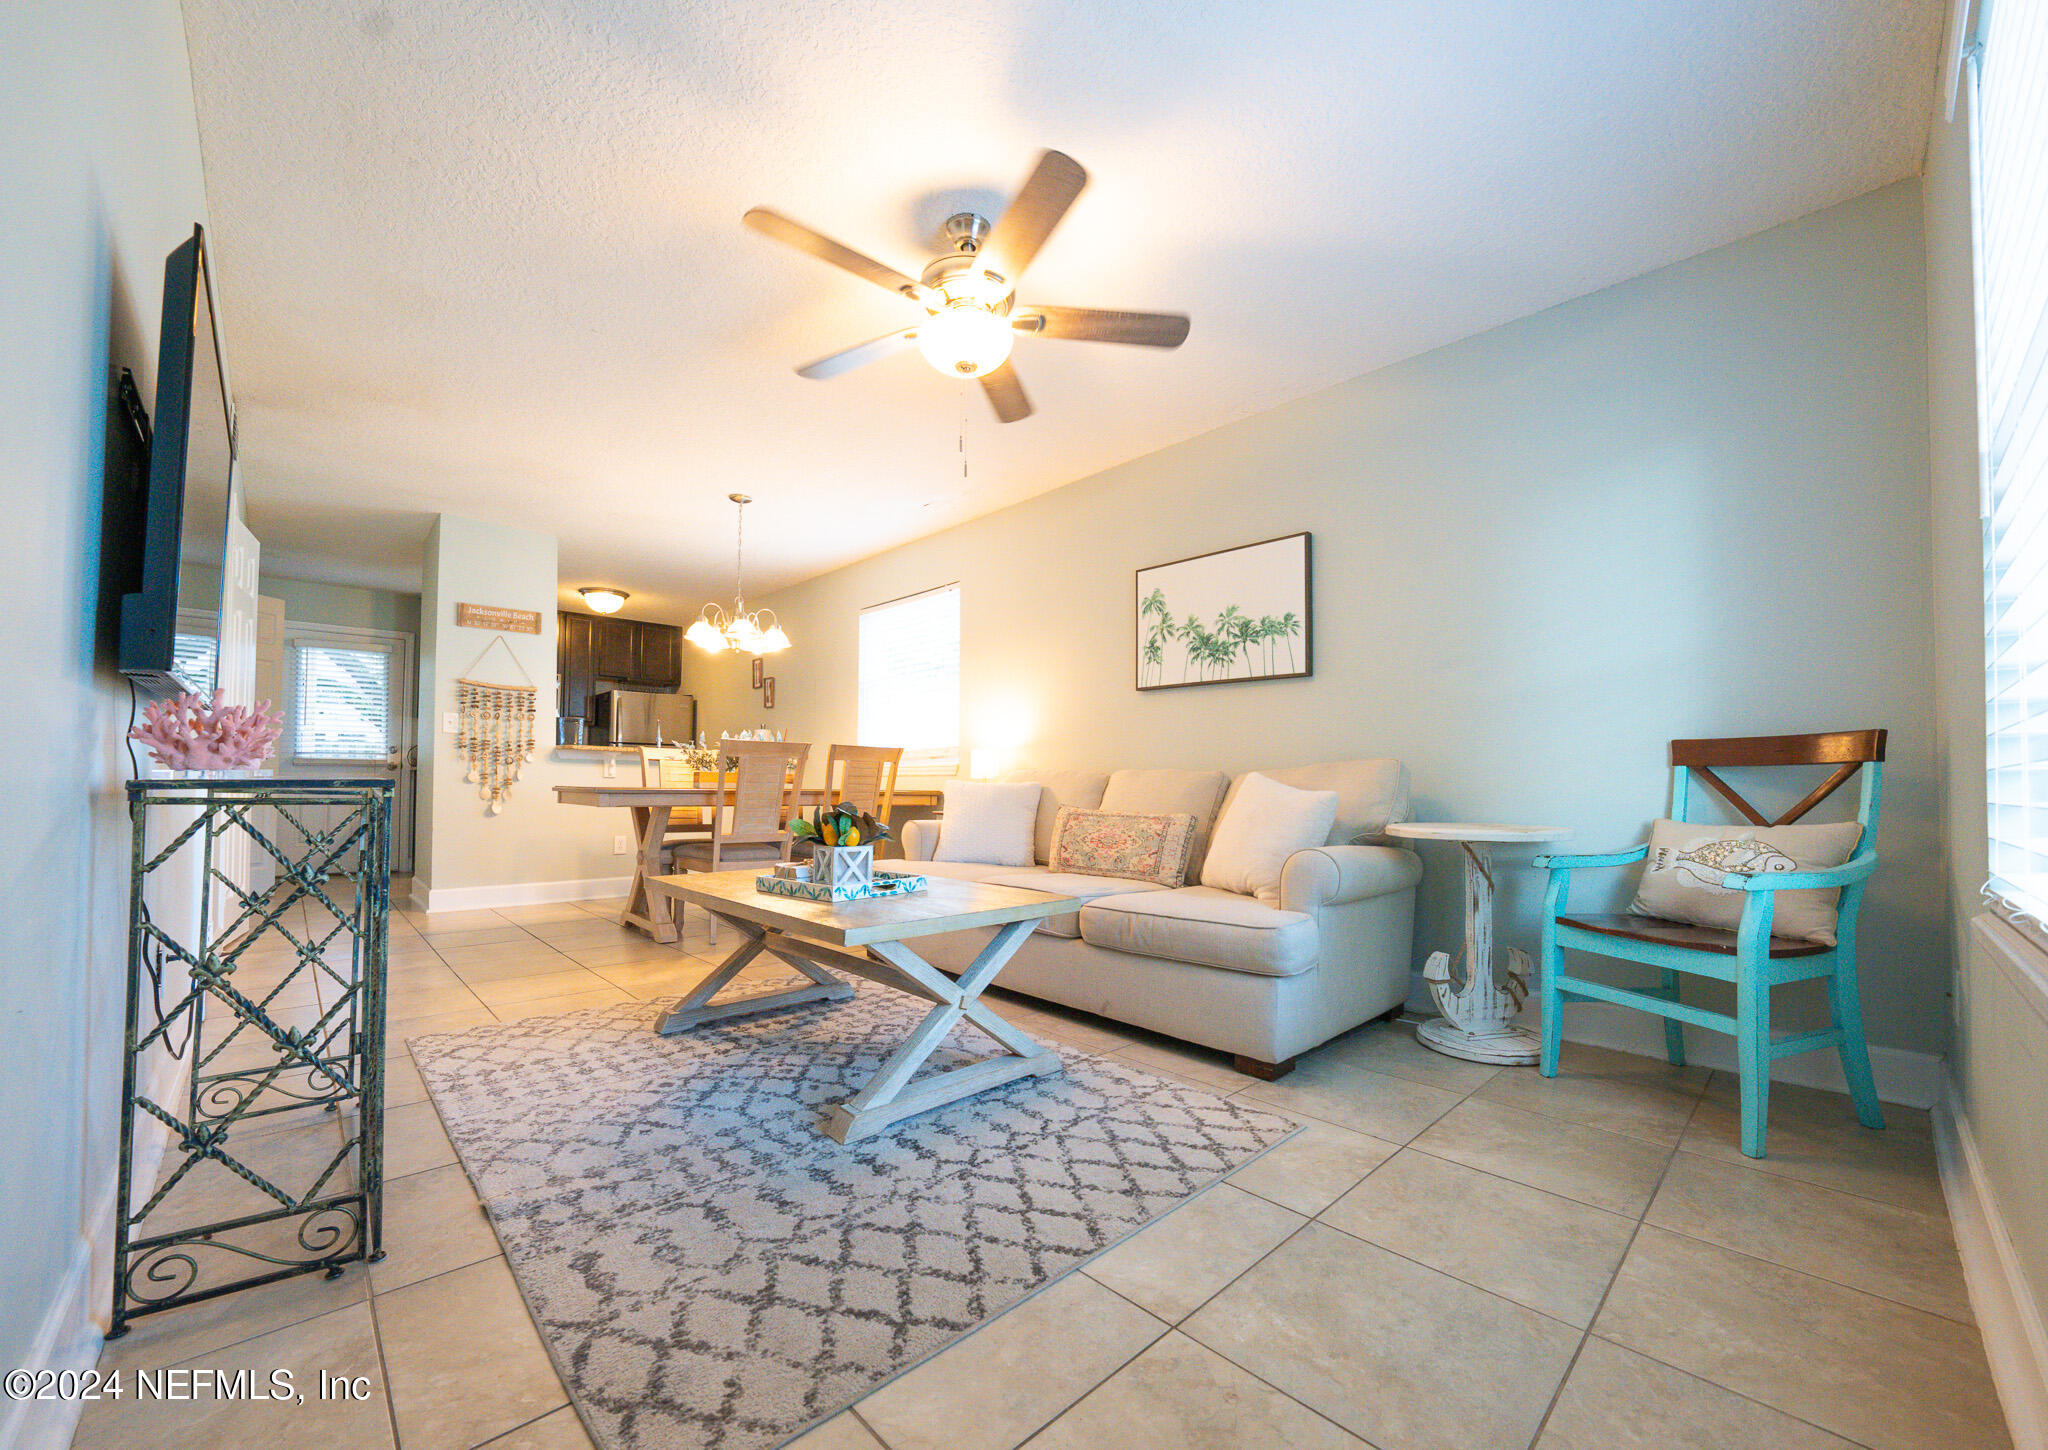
(709, 1270)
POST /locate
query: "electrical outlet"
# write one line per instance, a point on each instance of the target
(622, 845)
(448, 726)
(611, 767)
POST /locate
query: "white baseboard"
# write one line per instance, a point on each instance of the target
(73, 1326)
(2008, 1316)
(67, 1339)
(524, 893)
(1912, 1079)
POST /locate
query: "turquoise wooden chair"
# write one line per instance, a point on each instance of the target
(1750, 957)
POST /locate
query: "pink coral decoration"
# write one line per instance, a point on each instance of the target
(189, 733)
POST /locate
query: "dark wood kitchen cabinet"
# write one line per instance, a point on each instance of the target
(576, 662)
(658, 657)
(618, 649)
(597, 653)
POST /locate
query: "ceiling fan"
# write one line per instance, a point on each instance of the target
(971, 292)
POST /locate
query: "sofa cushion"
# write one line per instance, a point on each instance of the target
(988, 821)
(1082, 888)
(1081, 789)
(1370, 795)
(1203, 925)
(1170, 792)
(1263, 823)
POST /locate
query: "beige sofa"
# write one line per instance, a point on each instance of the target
(1263, 983)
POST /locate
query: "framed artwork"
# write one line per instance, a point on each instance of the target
(757, 671)
(1228, 617)
(768, 692)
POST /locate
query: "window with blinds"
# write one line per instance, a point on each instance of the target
(341, 702)
(910, 679)
(192, 659)
(2011, 128)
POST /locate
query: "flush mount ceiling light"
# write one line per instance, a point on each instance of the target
(971, 293)
(715, 631)
(605, 601)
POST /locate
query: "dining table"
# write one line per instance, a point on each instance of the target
(654, 808)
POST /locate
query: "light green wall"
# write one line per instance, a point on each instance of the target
(308, 602)
(102, 178)
(535, 844)
(1693, 504)
(2000, 1053)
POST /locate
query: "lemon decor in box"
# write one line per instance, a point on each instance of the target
(842, 842)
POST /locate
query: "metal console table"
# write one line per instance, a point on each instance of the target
(256, 1042)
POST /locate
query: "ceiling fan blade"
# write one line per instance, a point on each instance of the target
(1031, 216)
(796, 234)
(846, 360)
(1006, 394)
(1087, 324)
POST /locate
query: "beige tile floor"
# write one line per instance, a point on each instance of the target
(1448, 1255)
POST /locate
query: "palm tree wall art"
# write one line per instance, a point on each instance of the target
(1230, 616)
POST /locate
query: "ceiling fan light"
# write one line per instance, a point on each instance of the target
(964, 340)
(605, 601)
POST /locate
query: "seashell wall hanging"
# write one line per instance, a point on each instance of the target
(494, 730)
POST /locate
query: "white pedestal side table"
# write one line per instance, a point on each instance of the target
(1476, 1015)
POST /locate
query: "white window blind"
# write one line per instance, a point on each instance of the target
(910, 679)
(2012, 260)
(341, 702)
(192, 660)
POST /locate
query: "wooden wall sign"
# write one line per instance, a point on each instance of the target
(494, 616)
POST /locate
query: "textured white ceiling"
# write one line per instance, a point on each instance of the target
(486, 255)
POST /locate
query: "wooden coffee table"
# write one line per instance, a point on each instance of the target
(867, 939)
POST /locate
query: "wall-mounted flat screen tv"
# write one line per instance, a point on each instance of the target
(170, 623)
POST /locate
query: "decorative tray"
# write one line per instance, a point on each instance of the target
(881, 886)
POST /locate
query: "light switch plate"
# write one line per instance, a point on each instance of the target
(448, 726)
(611, 767)
(622, 845)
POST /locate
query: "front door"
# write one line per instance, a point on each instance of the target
(348, 714)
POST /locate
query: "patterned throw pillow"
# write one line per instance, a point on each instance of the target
(1137, 848)
(1682, 874)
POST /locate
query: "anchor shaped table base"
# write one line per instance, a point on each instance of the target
(1478, 1014)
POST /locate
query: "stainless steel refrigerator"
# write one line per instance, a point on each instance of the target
(642, 717)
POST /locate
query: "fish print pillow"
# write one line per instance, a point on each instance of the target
(1682, 874)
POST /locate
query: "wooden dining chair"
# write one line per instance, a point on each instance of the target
(1749, 956)
(864, 777)
(662, 766)
(764, 779)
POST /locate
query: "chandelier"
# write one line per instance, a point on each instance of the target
(755, 634)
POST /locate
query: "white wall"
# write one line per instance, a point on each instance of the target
(99, 162)
(2000, 1009)
(1693, 504)
(536, 849)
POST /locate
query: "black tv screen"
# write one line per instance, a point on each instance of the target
(170, 624)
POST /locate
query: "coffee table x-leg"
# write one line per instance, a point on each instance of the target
(889, 1096)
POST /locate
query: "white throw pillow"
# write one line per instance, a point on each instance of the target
(1265, 824)
(1682, 874)
(990, 823)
